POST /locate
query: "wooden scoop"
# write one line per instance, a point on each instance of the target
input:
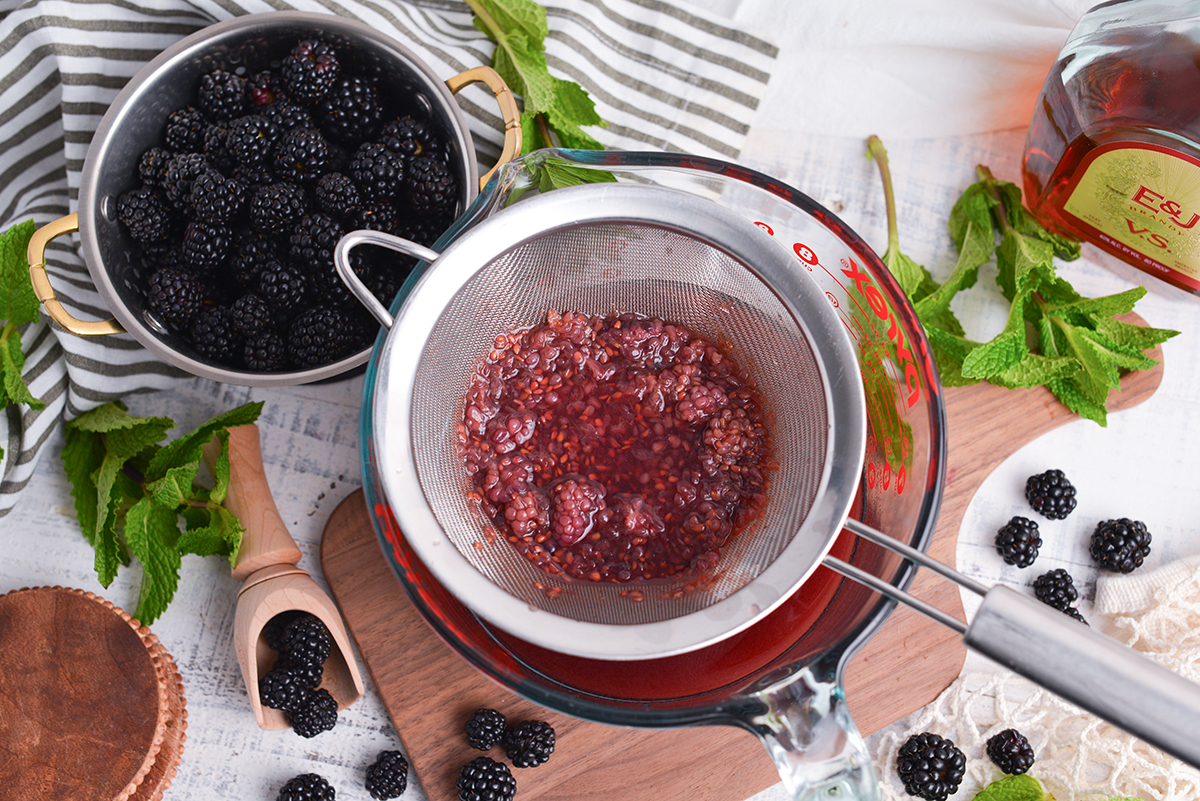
(272, 583)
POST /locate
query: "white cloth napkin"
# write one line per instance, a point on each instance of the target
(665, 77)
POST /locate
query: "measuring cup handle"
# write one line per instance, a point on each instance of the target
(803, 721)
(508, 110)
(36, 254)
(1095, 672)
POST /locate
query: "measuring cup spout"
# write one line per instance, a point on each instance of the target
(802, 719)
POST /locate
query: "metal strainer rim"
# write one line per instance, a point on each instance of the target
(722, 229)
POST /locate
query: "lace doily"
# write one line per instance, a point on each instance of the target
(1079, 756)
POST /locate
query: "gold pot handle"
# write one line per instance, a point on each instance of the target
(508, 110)
(36, 254)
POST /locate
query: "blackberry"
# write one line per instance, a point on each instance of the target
(216, 138)
(309, 674)
(351, 112)
(253, 176)
(423, 230)
(252, 315)
(317, 713)
(215, 198)
(175, 296)
(376, 216)
(287, 116)
(222, 95)
(1071, 611)
(152, 165)
(282, 286)
(261, 89)
(1010, 751)
(272, 630)
(321, 336)
(387, 777)
(185, 130)
(206, 246)
(1050, 494)
(253, 250)
(337, 195)
(145, 214)
(930, 766)
(1120, 545)
(215, 337)
(251, 139)
(307, 787)
(309, 71)
(181, 172)
(485, 779)
(307, 639)
(530, 743)
(303, 155)
(484, 728)
(312, 242)
(1056, 588)
(282, 689)
(409, 137)
(276, 207)
(432, 188)
(378, 171)
(1018, 541)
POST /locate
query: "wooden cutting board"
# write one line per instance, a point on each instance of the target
(429, 691)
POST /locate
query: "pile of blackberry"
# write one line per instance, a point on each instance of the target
(292, 685)
(239, 207)
(527, 744)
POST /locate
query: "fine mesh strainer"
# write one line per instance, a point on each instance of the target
(606, 249)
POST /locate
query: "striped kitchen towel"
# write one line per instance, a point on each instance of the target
(666, 76)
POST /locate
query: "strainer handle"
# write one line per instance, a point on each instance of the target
(341, 260)
(806, 727)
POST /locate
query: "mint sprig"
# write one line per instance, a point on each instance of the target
(135, 498)
(18, 307)
(1053, 336)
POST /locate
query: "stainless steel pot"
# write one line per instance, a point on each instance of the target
(137, 117)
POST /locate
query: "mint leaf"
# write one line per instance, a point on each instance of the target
(1013, 788)
(911, 276)
(1034, 370)
(1005, 350)
(189, 449)
(1079, 310)
(151, 530)
(976, 249)
(18, 303)
(12, 364)
(1025, 264)
(1136, 336)
(973, 209)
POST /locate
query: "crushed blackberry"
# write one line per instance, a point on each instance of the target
(351, 111)
(152, 166)
(309, 71)
(409, 137)
(184, 169)
(1018, 541)
(277, 207)
(222, 95)
(316, 714)
(321, 336)
(145, 213)
(206, 246)
(303, 156)
(215, 198)
(378, 171)
(1120, 545)
(312, 242)
(1011, 752)
(251, 139)
(252, 315)
(485, 728)
(215, 337)
(337, 195)
(307, 639)
(930, 766)
(432, 188)
(282, 689)
(529, 744)
(1050, 494)
(1056, 588)
(485, 779)
(175, 296)
(185, 130)
(307, 787)
(387, 776)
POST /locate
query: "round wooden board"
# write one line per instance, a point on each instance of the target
(91, 705)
